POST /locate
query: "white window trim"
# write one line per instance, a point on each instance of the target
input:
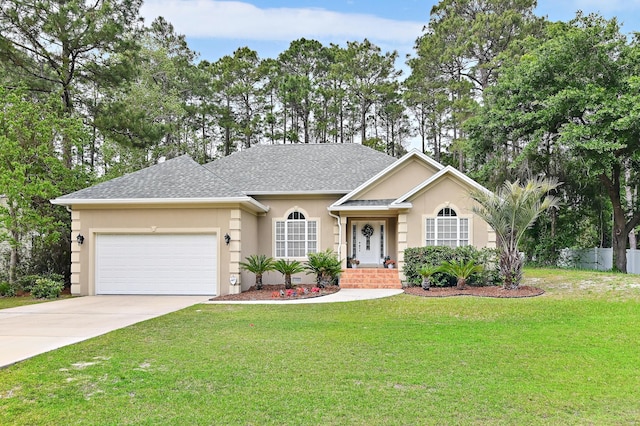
(306, 231)
(459, 216)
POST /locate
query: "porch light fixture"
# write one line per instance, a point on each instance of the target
(80, 239)
(227, 239)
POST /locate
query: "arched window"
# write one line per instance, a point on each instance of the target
(447, 229)
(296, 236)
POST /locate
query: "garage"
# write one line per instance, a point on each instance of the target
(175, 264)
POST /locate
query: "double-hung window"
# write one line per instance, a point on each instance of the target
(447, 229)
(296, 236)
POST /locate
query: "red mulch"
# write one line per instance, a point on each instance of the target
(490, 291)
(268, 293)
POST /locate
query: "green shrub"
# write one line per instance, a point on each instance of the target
(288, 268)
(258, 264)
(415, 257)
(27, 282)
(7, 290)
(325, 265)
(46, 288)
(461, 270)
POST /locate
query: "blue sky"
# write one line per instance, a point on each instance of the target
(217, 28)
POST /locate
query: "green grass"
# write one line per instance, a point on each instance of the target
(12, 302)
(568, 357)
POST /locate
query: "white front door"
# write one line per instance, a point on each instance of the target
(369, 241)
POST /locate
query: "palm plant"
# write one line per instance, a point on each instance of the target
(258, 264)
(460, 269)
(325, 265)
(425, 272)
(288, 268)
(510, 212)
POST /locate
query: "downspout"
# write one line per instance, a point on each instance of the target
(337, 217)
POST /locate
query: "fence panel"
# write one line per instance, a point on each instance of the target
(597, 258)
(633, 261)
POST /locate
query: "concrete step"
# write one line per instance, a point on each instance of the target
(370, 278)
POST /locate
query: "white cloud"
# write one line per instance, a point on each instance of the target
(239, 20)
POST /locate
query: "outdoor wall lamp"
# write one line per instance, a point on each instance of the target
(80, 239)
(227, 239)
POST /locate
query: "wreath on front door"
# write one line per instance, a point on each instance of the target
(367, 230)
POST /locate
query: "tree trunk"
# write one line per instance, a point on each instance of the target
(629, 195)
(461, 284)
(511, 269)
(426, 283)
(258, 281)
(287, 281)
(363, 119)
(13, 263)
(619, 238)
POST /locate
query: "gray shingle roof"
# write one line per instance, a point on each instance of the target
(368, 203)
(299, 168)
(179, 177)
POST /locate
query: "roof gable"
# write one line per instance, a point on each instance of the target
(301, 168)
(445, 172)
(409, 158)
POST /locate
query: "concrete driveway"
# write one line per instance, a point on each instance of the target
(30, 330)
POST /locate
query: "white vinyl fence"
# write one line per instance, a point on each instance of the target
(597, 258)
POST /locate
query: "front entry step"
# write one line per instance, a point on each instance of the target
(370, 278)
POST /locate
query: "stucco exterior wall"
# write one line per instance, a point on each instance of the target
(314, 208)
(399, 182)
(447, 192)
(248, 245)
(90, 221)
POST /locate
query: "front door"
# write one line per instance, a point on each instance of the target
(368, 238)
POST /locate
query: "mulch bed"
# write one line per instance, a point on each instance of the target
(490, 291)
(268, 292)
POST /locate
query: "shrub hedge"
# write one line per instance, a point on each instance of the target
(6, 289)
(46, 288)
(415, 257)
(26, 282)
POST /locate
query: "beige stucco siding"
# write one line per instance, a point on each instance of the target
(313, 207)
(446, 192)
(143, 220)
(399, 181)
(248, 245)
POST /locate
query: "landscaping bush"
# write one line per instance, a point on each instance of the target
(46, 288)
(7, 290)
(27, 282)
(325, 265)
(415, 257)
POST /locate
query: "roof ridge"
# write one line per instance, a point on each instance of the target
(221, 178)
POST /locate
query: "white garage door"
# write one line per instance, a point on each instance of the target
(156, 264)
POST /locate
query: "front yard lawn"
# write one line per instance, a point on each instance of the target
(568, 357)
(12, 302)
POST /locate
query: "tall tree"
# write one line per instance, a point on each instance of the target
(302, 65)
(149, 114)
(30, 172)
(510, 212)
(579, 89)
(61, 45)
(462, 50)
(371, 73)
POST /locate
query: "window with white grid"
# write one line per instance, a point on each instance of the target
(447, 229)
(296, 236)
